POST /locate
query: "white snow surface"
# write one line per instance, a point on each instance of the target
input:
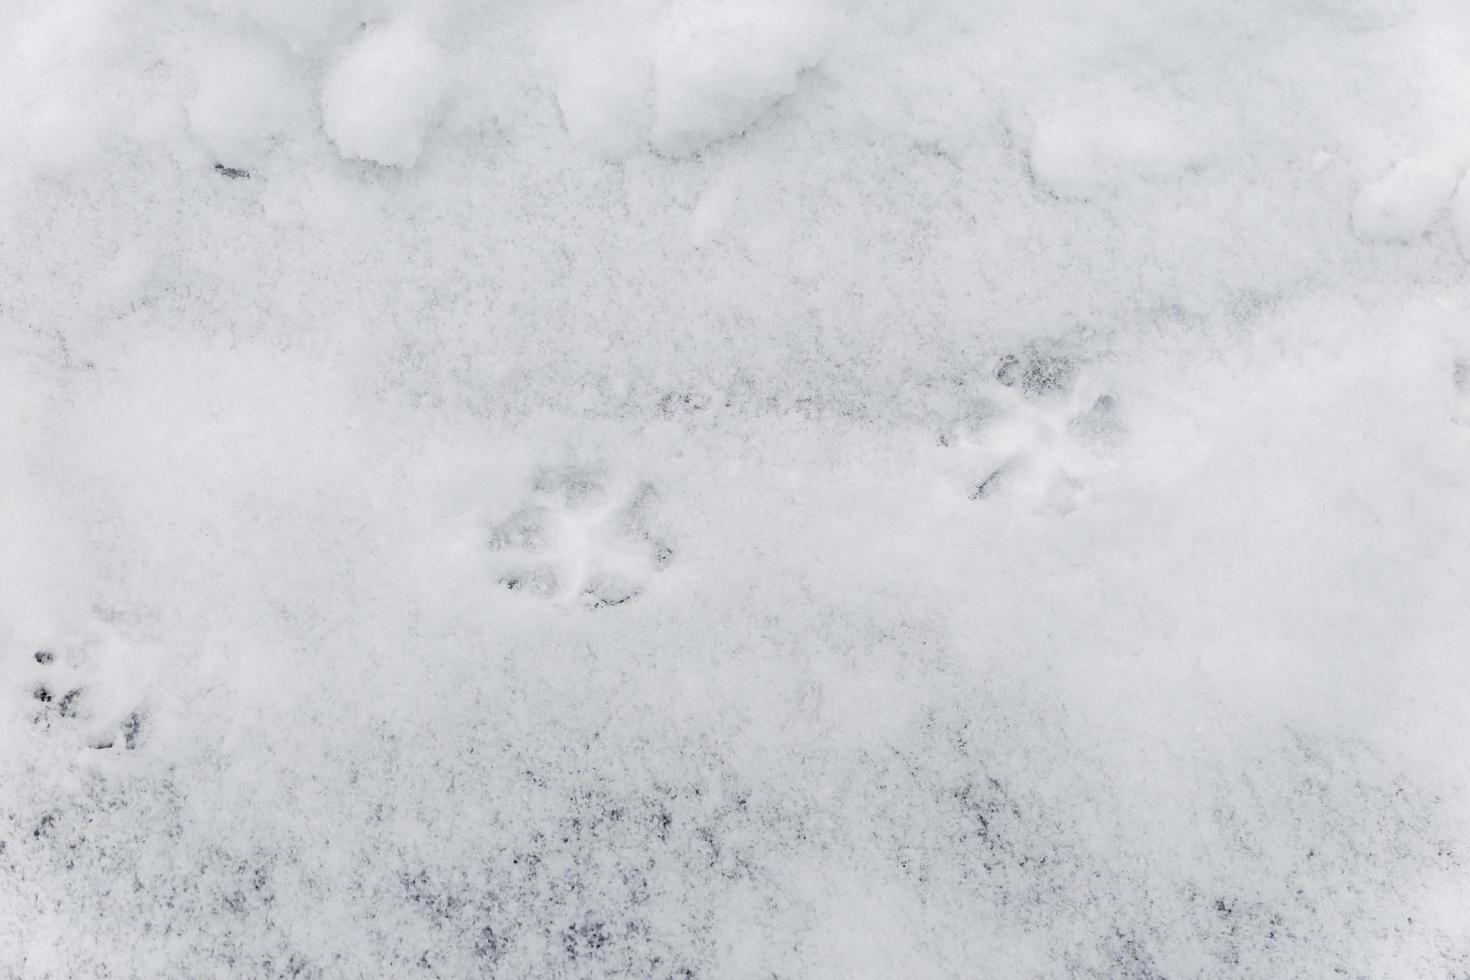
(1407, 201)
(380, 100)
(248, 97)
(695, 489)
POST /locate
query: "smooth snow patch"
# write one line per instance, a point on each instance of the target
(247, 98)
(123, 281)
(604, 90)
(1107, 142)
(383, 97)
(305, 27)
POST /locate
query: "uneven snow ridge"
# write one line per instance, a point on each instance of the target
(734, 489)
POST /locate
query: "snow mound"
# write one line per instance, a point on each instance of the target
(1105, 143)
(603, 88)
(247, 98)
(1460, 214)
(1403, 204)
(717, 69)
(304, 27)
(384, 96)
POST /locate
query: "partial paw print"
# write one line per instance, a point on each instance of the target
(94, 713)
(580, 539)
(1048, 432)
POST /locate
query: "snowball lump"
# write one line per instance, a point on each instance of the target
(384, 96)
(718, 68)
(62, 137)
(1404, 203)
(306, 26)
(603, 92)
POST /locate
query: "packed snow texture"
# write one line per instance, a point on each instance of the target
(698, 489)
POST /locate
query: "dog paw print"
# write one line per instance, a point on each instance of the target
(579, 539)
(62, 700)
(1047, 434)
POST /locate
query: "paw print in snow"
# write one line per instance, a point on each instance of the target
(1047, 438)
(63, 700)
(576, 540)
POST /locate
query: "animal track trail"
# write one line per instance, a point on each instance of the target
(67, 701)
(1048, 435)
(580, 539)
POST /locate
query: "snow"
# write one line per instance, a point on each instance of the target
(384, 95)
(125, 279)
(1460, 213)
(305, 28)
(718, 67)
(682, 76)
(248, 98)
(63, 138)
(1404, 203)
(698, 489)
(1087, 148)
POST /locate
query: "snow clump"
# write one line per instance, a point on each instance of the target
(384, 96)
(718, 69)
